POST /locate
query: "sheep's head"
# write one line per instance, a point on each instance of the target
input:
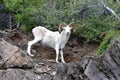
(67, 28)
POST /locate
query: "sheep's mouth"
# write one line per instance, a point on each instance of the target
(68, 33)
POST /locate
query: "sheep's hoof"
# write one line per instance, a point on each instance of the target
(63, 61)
(31, 55)
(57, 61)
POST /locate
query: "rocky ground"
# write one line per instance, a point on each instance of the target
(74, 50)
(82, 64)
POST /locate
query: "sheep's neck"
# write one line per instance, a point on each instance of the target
(64, 36)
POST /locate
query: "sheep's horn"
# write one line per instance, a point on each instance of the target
(71, 24)
(63, 24)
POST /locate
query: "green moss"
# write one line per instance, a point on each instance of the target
(108, 40)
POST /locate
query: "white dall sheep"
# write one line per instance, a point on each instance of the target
(56, 40)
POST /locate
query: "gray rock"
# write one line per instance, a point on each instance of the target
(69, 71)
(105, 67)
(16, 65)
(12, 56)
(17, 74)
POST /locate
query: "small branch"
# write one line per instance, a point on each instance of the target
(3, 32)
(111, 10)
(10, 24)
(7, 31)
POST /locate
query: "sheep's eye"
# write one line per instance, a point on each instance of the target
(63, 28)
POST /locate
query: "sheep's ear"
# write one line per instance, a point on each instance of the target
(71, 24)
(74, 28)
(61, 25)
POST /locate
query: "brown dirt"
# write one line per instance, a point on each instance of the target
(74, 50)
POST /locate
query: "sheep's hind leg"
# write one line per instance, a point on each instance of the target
(30, 43)
(62, 57)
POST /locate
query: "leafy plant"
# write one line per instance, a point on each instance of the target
(108, 40)
(90, 17)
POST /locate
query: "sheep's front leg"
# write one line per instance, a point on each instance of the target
(57, 53)
(62, 57)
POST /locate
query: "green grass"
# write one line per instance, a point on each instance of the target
(108, 41)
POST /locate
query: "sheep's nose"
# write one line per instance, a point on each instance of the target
(68, 33)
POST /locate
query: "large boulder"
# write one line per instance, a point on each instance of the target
(15, 64)
(17, 74)
(12, 56)
(105, 67)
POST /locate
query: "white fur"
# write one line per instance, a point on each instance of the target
(55, 40)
